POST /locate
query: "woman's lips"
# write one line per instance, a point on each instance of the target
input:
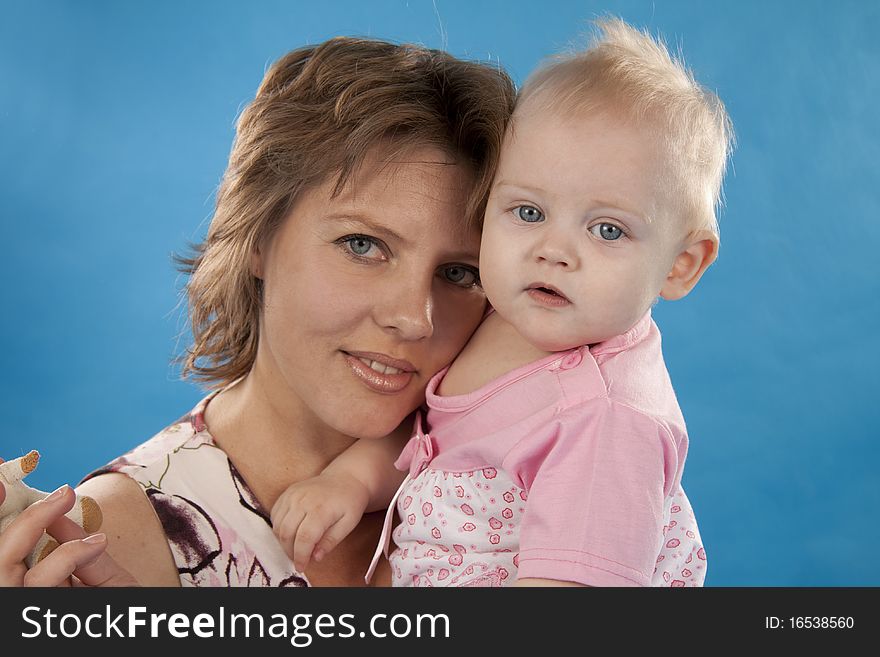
(380, 372)
(547, 295)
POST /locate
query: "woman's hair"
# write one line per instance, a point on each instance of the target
(630, 74)
(318, 112)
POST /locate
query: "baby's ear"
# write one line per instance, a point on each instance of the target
(699, 251)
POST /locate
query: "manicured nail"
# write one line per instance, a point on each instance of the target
(95, 539)
(57, 494)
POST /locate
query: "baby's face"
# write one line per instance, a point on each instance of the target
(579, 235)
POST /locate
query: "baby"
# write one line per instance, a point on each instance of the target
(553, 446)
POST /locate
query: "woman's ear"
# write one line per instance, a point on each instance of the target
(257, 262)
(700, 251)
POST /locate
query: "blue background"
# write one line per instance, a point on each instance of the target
(115, 123)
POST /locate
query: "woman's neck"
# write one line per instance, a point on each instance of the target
(270, 437)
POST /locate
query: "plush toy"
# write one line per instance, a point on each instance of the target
(86, 512)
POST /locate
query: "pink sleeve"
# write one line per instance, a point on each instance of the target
(596, 490)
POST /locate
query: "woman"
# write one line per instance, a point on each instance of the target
(338, 275)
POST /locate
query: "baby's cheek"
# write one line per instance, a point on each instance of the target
(456, 317)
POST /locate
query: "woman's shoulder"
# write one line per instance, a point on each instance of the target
(136, 539)
(186, 432)
(205, 522)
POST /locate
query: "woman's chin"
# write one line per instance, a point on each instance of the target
(368, 428)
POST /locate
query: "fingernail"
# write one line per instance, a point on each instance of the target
(318, 555)
(95, 539)
(57, 494)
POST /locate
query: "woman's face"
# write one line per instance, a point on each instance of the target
(368, 294)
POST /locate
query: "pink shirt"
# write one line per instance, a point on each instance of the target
(567, 468)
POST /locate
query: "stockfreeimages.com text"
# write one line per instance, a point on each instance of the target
(300, 629)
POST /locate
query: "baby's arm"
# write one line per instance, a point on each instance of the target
(625, 459)
(313, 516)
(535, 581)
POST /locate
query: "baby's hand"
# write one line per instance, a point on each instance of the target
(312, 517)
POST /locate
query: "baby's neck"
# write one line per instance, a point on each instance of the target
(494, 350)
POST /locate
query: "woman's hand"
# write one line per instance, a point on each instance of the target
(80, 559)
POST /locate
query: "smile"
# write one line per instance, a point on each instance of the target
(380, 372)
(379, 367)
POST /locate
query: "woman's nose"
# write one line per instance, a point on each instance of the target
(407, 309)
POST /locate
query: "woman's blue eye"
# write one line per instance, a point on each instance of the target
(360, 246)
(529, 213)
(461, 275)
(608, 232)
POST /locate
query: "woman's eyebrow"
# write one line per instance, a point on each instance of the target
(356, 220)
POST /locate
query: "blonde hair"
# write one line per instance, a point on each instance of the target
(627, 71)
(317, 113)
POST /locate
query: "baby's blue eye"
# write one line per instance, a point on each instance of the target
(529, 213)
(608, 232)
